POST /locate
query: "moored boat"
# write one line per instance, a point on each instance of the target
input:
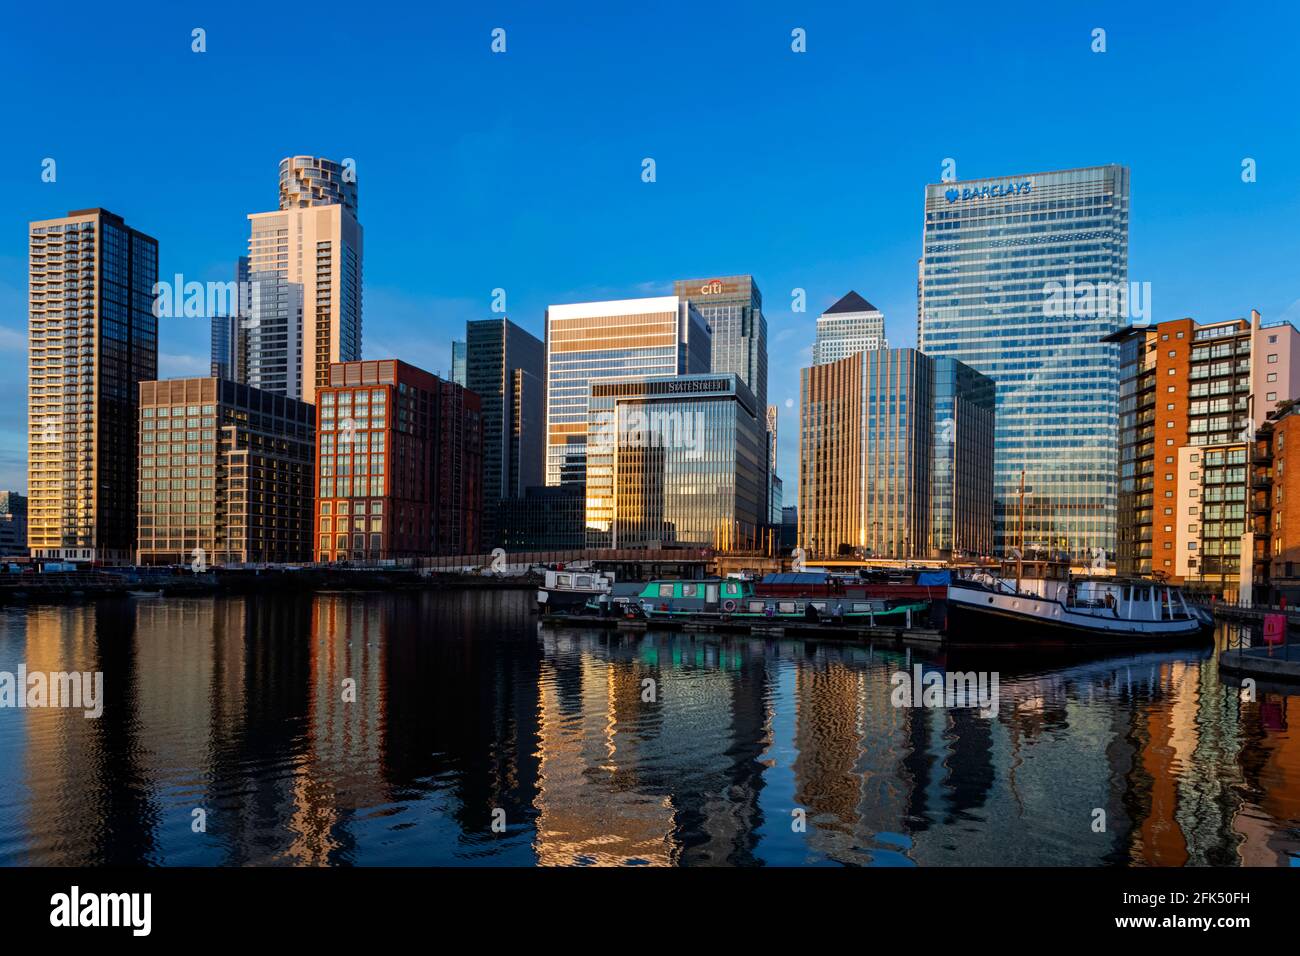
(1038, 602)
(736, 600)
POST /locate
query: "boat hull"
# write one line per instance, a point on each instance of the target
(977, 618)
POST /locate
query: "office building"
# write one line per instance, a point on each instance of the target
(591, 341)
(895, 457)
(543, 518)
(1185, 389)
(398, 464)
(305, 270)
(505, 367)
(458, 359)
(229, 346)
(675, 462)
(226, 474)
(732, 306)
(850, 326)
(13, 524)
(93, 337)
(1021, 277)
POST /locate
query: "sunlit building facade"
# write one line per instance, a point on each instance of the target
(1187, 388)
(590, 341)
(675, 462)
(92, 338)
(895, 457)
(225, 474)
(306, 275)
(1005, 266)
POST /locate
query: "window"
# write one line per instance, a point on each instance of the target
(1272, 359)
(1191, 545)
(1271, 397)
(1272, 376)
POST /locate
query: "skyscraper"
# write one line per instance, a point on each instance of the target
(998, 256)
(305, 269)
(733, 308)
(505, 366)
(895, 457)
(850, 326)
(93, 337)
(229, 359)
(590, 341)
(458, 357)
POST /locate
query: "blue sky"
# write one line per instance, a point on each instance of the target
(522, 170)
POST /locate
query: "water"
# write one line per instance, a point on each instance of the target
(476, 738)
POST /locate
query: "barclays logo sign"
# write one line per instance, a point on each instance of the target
(953, 194)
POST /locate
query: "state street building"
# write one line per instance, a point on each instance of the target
(675, 462)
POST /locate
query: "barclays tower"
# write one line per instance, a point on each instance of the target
(1020, 278)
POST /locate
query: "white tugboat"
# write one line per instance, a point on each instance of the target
(569, 589)
(1039, 602)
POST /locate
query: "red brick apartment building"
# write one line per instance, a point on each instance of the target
(398, 464)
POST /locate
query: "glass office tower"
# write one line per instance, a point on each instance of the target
(675, 463)
(895, 457)
(590, 341)
(1021, 277)
(505, 366)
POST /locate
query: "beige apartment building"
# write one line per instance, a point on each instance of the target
(92, 338)
(305, 273)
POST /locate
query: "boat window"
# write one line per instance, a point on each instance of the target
(665, 590)
(861, 607)
(564, 580)
(732, 589)
(786, 607)
(757, 607)
(690, 590)
(584, 581)
(819, 605)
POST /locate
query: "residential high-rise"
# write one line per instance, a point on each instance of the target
(305, 268)
(505, 366)
(1189, 401)
(675, 462)
(895, 457)
(1274, 499)
(307, 181)
(13, 524)
(590, 341)
(229, 359)
(1001, 261)
(93, 337)
(398, 464)
(226, 474)
(849, 326)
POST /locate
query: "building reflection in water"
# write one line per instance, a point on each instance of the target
(477, 737)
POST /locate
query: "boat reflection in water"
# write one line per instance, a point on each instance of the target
(605, 747)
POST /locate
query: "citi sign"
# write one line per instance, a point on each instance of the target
(997, 191)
